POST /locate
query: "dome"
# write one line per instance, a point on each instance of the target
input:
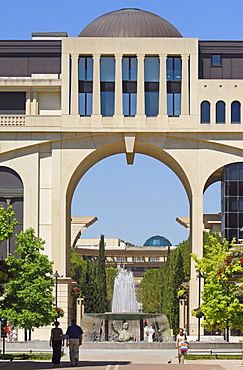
(129, 23)
(157, 241)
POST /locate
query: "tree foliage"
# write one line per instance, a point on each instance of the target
(7, 223)
(111, 273)
(150, 290)
(28, 298)
(101, 277)
(220, 262)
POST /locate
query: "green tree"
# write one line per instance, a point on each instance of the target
(90, 288)
(7, 223)
(28, 298)
(150, 290)
(101, 277)
(175, 272)
(111, 273)
(220, 262)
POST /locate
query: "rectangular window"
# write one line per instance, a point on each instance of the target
(107, 86)
(12, 102)
(216, 60)
(173, 73)
(173, 104)
(129, 86)
(85, 77)
(151, 86)
(138, 259)
(173, 68)
(154, 259)
(121, 259)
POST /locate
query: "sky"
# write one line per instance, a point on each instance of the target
(131, 202)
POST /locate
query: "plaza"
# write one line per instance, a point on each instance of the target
(128, 83)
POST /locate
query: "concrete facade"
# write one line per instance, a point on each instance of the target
(51, 146)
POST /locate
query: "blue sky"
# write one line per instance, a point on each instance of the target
(131, 202)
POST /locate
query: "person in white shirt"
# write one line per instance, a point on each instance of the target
(180, 338)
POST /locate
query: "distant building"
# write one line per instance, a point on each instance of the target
(137, 258)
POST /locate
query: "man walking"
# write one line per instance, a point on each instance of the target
(74, 340)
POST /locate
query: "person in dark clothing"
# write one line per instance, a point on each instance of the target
(56, 341)
(74, 340)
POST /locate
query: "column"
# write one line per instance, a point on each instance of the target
(162, 85)
(140, 85)
(196, 236)
(74, 84)
(27, 104)
(184, 86)
(34, 104)
(66, 78)
(118, 85)
(96, 84)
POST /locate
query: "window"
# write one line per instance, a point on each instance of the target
(173, 75)
(85, 77)
(151, 86)
(173, 69)
(235, 112)
(154, 259)
(12, 102)
(107, 86)
(138, 259)
(216, 60)
(205, 112)
(121, 259)
(220, 112)
(129, 86)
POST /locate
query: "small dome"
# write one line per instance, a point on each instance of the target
(130, 23)
(157, 241)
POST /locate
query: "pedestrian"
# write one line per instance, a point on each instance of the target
(181, 339)
(74, 336)
(56, 341)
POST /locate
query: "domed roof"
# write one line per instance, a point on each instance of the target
(129, 23)
(157, 241)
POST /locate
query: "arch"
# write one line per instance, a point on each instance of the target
(235, 112)
(205, 112)
(220, 112)
(11, 192)
(141, 148)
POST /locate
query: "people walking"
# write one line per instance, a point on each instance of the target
(56, 341)
(74, 337)
(181, 339)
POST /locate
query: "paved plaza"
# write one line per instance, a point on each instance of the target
(96, 359)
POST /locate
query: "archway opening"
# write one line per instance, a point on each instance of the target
(132, 202)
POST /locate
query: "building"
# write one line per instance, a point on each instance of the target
(137, 258)
(128, 83)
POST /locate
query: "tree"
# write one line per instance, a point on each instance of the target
(111, 273)
(90, 289)
(101, 277)
(6, 224)
(150, 290)
(28, 299)
(220, 266)
(175, 272)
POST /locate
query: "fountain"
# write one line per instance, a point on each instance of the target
(124, 309)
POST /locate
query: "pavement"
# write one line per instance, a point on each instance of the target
(126, 359)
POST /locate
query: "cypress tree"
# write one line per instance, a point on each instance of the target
(101, 277)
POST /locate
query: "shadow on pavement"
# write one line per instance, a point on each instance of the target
(41, 365)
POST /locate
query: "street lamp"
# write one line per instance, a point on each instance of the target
(199, 276)
(56, 276)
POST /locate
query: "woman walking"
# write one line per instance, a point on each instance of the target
(180, 340)
(56, 341)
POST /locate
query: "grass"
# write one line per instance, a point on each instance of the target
(26, 356)
(213, 357)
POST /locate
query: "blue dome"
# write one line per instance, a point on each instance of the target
(157, 241)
